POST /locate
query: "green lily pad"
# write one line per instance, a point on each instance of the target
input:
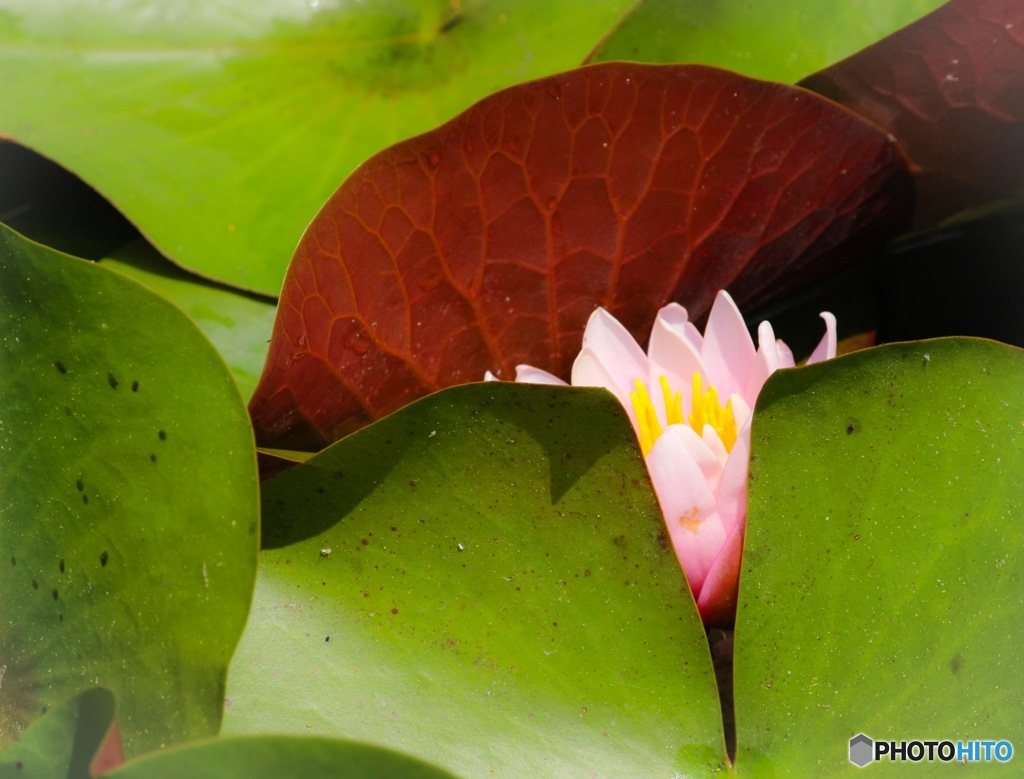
(779, 41)
(220, 129)
(238, 324)
(881, 583)
(128, 500)
(271, 757)
(481, 580)
(64, 741)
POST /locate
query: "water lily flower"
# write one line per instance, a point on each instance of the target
(690, 399)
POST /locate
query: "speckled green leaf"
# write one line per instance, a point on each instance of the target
(237, 324)
(128, 500)
(778, 40)
(881, 590)
(219, 127)
(482, 580)
(272, 757)
(61, 744)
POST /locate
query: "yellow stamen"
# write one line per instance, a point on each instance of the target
(673, 403)
(707, 410)
(646, 417)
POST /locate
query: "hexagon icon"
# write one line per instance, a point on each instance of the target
(862, 750)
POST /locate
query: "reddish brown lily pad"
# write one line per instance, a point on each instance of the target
(950, 87)
(489, 241)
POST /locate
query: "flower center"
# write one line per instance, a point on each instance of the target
(707, 410)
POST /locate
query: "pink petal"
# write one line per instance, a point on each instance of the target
(700, 450)
(826, 348)
(728, 351)
(732, 488)
(675, 317)
(785, 355)
(674, 356)
(714, 442)
(527, 374)
(765, 363)
(589, 371)
(688, 505)
(488, 376)
(740, 410)
(614, 360)
(720, 592)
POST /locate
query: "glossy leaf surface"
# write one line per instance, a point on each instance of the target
(272, 757)
(219, 128)
(482, 580)
(489, 241)
(950, 87)
(881, 583)
(237, 324)
(128, 501)
(780, 40)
